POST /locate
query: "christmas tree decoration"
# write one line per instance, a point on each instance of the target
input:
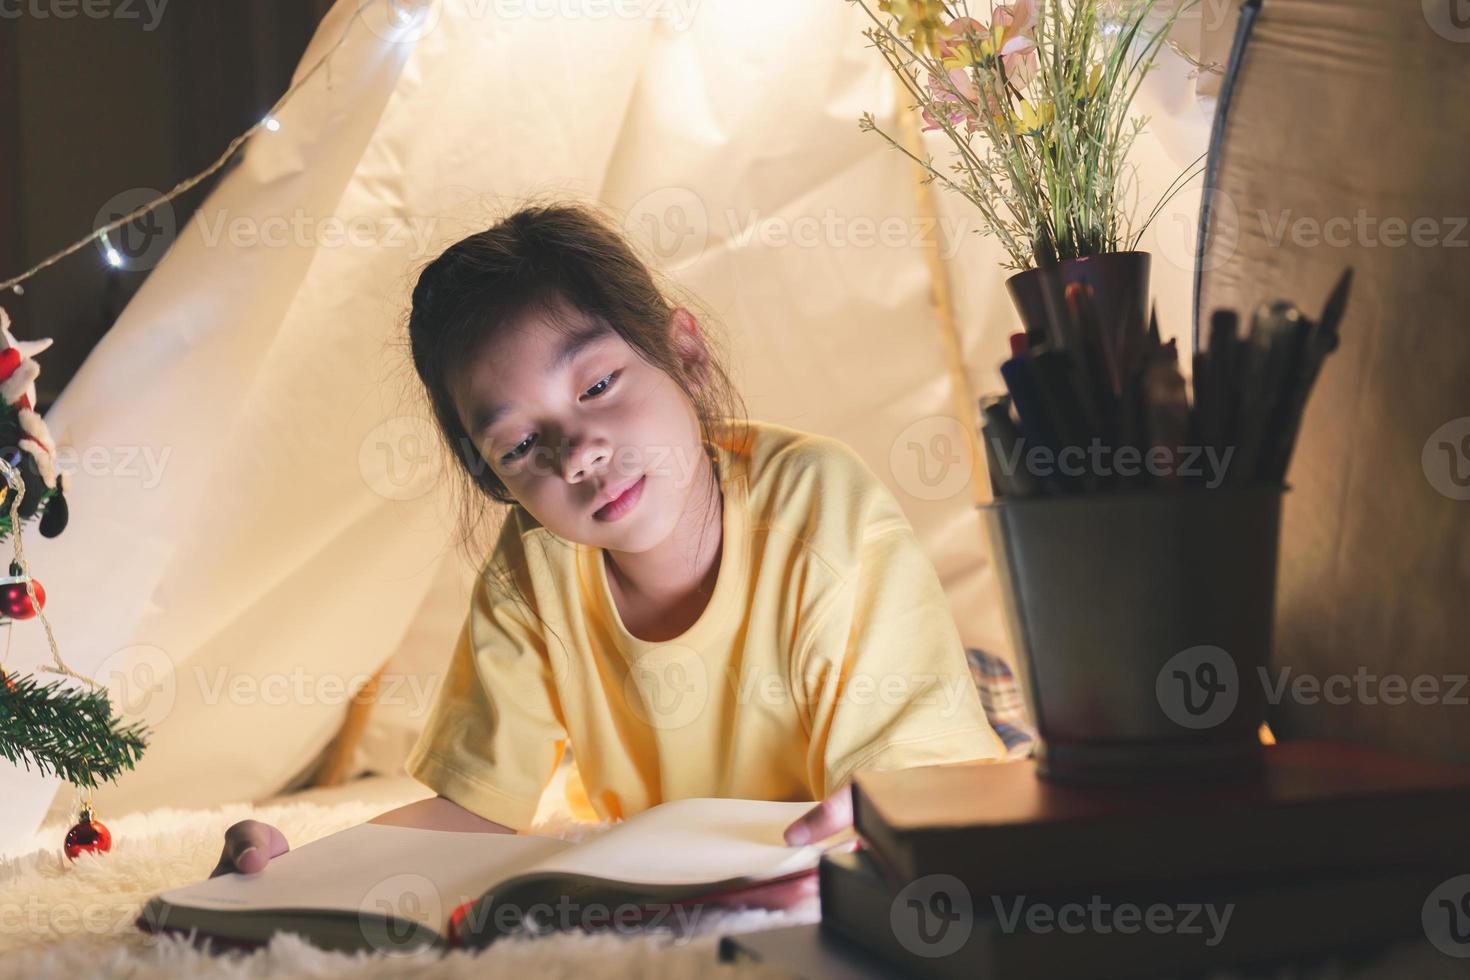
(55, 727)
(16, 355)
(87, 835)
(25, 441)
(15, 600)
(53, 522)
(60, 729)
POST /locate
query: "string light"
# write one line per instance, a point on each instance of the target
(410, 14)
(269, 122)
(114, 258)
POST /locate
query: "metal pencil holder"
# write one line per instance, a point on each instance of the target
(1142, 627)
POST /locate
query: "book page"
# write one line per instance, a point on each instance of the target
(405, 872)
(691, 842)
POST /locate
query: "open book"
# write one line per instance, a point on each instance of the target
(388, 888)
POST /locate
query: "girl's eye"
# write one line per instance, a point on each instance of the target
(515, 453)
(596, 391)
(605, 382)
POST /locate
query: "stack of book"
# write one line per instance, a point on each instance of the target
(984, 870)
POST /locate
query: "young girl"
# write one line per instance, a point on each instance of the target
(697, 604)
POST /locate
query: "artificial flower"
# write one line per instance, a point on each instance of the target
(919, 21)
(1012, 20)
(962, 100)
(956, 109)
(967, 43)
(1030, 120)
(1094, 78)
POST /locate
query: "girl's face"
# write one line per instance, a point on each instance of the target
(569, 419)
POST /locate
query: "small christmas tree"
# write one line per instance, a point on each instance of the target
(58, 729)
(53, 727)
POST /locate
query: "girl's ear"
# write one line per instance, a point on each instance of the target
(689, 343)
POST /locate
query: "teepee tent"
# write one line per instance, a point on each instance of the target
(284, 532)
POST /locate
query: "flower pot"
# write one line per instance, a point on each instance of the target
(1142, 628)
(1119, 282)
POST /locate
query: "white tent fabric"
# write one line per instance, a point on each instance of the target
(260, 526)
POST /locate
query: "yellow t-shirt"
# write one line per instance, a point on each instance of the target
(827, 646)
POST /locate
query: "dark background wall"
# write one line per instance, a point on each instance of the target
(94, 106)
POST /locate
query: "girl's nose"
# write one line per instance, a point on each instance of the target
(585, 458)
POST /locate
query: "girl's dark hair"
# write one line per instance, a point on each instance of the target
(541, 260)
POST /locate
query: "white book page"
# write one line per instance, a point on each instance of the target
(406, 872)
(691, 842)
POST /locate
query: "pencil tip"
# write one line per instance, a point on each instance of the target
(1336, 301)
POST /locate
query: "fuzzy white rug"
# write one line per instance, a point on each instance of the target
(75, 919)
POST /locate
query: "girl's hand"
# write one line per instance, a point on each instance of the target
(823, 820)
(831, 816)
(249, 846)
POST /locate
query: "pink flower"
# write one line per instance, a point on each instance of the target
(1020, 60)
(967, 42)
(1012, 20)
(956, 109)
(975, 57)
(1012, 24)
(964, 106)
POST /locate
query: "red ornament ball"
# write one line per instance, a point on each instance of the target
(16, 603)
(87, 835)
